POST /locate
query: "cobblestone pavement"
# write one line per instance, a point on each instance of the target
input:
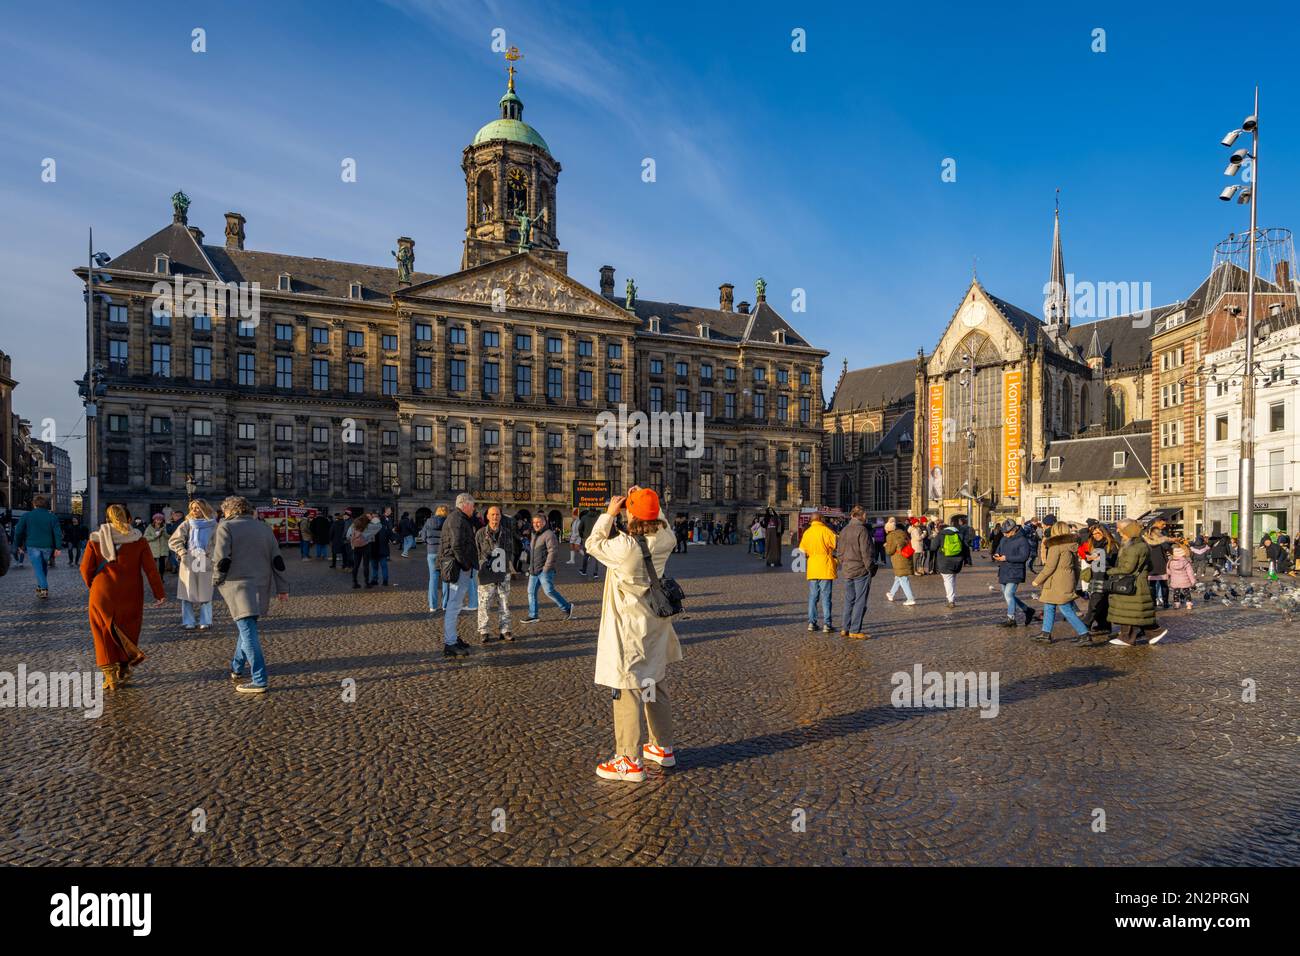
(774, 724)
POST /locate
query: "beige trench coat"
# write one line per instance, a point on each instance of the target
(633, 645)
(194, 582)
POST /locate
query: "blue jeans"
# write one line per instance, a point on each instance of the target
(545, 581)
(435, 582)
(320, 551)
(1013, 602)
(378, 566)
(305, 546)
(856, 592)
(187, 613)
(40, 564)
(407, 544)
(1068, 612)
(902, 582)
(819, 588)
(455, 597)
(249, 651)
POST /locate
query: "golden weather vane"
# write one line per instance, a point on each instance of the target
(512, 55)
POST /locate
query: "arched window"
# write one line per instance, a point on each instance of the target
(484, 201)
(880, 497)
(846, 494)
(1116, 407)
(1085, 408)
(1067, 411)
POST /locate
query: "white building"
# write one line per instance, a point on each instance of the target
(1277, 439)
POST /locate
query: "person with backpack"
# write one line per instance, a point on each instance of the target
(1059, 581)
(1011, 555)
(359, 541)
(634, 645)
(951, 555)
(818, 546)
(431, 535)
(380, 553)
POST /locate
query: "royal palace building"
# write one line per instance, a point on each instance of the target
(354, 384)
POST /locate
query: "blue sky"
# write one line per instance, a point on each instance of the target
(817, 170)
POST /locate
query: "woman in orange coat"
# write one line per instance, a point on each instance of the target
(111, 567)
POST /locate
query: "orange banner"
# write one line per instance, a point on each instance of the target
(1011, 434)
(934, 480)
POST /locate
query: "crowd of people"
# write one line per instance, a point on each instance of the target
(1126, 574)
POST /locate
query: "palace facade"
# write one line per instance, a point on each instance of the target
(360, 384)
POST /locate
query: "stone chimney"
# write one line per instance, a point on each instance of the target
(234, 230)
(607, 281)
(197, 233)
(743, 308)
(725, 296)
(1283, 275)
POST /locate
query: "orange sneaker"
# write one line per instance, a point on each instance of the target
(621, 768)
(663, 757)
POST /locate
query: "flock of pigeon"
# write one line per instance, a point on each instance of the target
(1263, 594)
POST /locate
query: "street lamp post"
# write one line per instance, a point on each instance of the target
(190, 486)
(1246, 465)
(93, 259)
(397, 493)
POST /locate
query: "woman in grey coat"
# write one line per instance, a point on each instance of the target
(248, 565)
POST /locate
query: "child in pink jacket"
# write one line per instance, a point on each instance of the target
(1182, 578)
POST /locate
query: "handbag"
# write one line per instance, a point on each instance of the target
(665, 596)
(1123, 584)
(906, 550)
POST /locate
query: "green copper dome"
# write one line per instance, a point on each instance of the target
(511, 125)
(517, 131)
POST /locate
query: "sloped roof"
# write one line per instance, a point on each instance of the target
(1124, 340)
(1092, 459)
(309, 275)
(677, 319)
(887, 384)
(901, 429)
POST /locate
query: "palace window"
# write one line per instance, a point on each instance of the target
(356, 340)
(162, 360)
(117, 313)
(201, 427)
(320, 434)
(457, 377)
(202, 469)
(584, 386)
(284, 371)
(491, 340)
(423, 371)
(320, 474)
(320, 374)
(246, 431)
(423, 474)
(247, 368)
(388, 343)
(491, 378)
(356, 377)
(456, 335)
(202, 364)
(245, 472)
(283, 332)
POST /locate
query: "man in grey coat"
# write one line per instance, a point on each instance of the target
(542, 558)
(457, 559)
(248, 566)
(853, 549)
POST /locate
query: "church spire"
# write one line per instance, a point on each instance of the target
(1056, 306)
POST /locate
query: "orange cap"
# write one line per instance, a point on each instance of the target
(643, 504)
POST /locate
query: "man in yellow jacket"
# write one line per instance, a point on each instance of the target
(818, 546)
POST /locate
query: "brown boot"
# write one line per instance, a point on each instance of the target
(110, 676)
(123, 674)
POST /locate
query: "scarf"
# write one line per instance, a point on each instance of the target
(108, 538)
(200, 533)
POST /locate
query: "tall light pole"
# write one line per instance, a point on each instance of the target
(1246, 465)
(90, 511)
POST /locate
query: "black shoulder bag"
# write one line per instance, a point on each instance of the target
(665, 596)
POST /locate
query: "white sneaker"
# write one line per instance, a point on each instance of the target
(661, 756)
(1158, 636)
(1116, 640)
(621, 768)
(889, 597)
(909, 604)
